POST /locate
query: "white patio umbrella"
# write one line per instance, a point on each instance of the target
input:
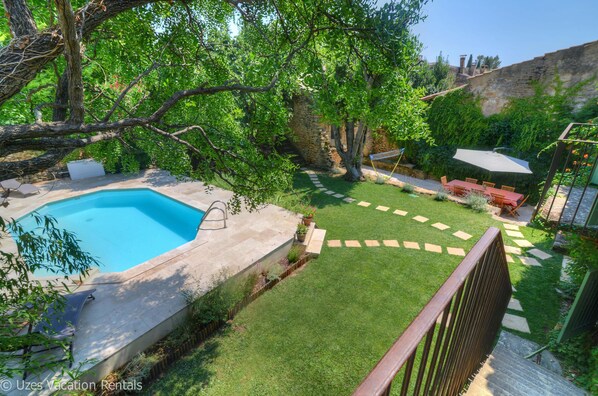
(493, 161)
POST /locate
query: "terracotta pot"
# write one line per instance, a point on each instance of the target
(307, 220)
(301, 237)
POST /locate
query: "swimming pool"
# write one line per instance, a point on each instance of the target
(122, 228)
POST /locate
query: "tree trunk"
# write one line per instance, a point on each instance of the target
(352, 156)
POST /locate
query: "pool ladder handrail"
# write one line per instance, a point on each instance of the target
(212, 207)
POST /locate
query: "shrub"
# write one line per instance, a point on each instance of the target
(441, 195)
(408, 188)
(139, 367)
(294, 253)
(301, 229)
(380, 180)
(476, 202)
(274, 273)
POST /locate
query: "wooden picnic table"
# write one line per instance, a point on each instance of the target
(511, 198)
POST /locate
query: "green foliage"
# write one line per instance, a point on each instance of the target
(435, 77)
(588, 112)
(301, 229)
(584, 255)
(476, 202)
(274, 272)
(23, 299)
(456, 119)
(407, 188)
(294, 254)
(441, 196)
(491, 62)
(579, 357)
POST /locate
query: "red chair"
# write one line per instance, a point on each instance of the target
(488, 184)
(498, 200)
(459, 191)
(508, 188)
(470, 180)
(445, 185)
(513, 212)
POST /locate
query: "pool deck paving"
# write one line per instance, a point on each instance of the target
(133, 312)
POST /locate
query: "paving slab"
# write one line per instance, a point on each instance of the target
(432, 248)
(323, 189)
(371, 243)
(411, 245)
(509, 258)
(515, 305)
(390, 243)
(334, 243)
(511, 227)
(513, 250)
(515, 322)
(421, 219)
(523, 243)
(364, 204)
(400, 212)
(319, 185)
(514, 234)
(529, 261)
(455, 251)
(382, 208)
(539, 254)
(462, 235)
(330, 192)
(352, 243)
(349, 199)
(338, 195)
(314, 247)
(440, 226)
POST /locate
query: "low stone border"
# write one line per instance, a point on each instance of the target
(203, 334)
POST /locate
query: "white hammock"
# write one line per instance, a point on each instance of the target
(385, 155)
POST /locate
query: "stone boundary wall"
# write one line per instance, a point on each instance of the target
(574, 65)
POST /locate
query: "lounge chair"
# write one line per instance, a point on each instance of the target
(59, 323)
(14, 185)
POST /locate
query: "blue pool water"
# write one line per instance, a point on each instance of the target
(123, 228)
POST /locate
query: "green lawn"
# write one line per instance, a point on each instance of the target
(322, 330)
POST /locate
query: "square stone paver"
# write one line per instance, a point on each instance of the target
(455, 251)
(515, 305)
(382, 208)
(510, 259)
(338, 195)
(432, 248)
(539, 254)
(370, 243)
(512, 249)
(523, 243)
(334, 243)
(462, 235)
(529, 261)
(329, 192)
(352, 244)
(515, 322)
(364, 204)
(511, 227)
(421, 219)
(320, 185)
(400, 212)
(411, 245)
(349, 199)
(323, 189)
(514, 234)
(391, 243)
(440, 226)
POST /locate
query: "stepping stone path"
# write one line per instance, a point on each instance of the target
(391, 243)
(440, 226)
(539, 254)
(364, 204)
(400, 212)
(529, 261)
(514, 234)
(370, 243)
(523, 243)
(462, 235)
(338, 195)
(334, 243)
(513, 250)
(411, 245)
(382, 208)
(352, 244)
(421, 219)
(432, 248)
(509, 258)
(511, 227)
(349, 199)
(455, 251)
(515, 322)
(515, 305)
(329, 192)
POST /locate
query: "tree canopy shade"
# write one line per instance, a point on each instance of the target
(363, 85)
(169, 82)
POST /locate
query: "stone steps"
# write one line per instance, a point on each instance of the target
(506, 374)
(314, 240)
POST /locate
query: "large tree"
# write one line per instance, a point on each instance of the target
(194, 87)
(361, 86)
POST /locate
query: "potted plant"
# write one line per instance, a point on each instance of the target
(308, 215)
(301, 232)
